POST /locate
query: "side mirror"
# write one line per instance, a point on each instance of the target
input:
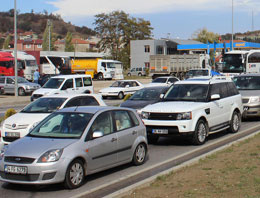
(97, 134)
(161, 96)
(215, 97)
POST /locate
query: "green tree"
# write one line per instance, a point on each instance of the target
(68, 43)
(47, 32)
(116, 30)
(204, 36)
(7, 42)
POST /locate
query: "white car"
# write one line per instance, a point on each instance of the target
(163, 81)
(19, 124)
(195, 107)
(121, 88)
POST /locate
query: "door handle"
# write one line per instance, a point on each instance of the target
(134, 132)
(113, 139)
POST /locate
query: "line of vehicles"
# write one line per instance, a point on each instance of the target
(69, 136)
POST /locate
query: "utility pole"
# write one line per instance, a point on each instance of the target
(49, 26)
(252, 20)
(232, 26)
(15, 51)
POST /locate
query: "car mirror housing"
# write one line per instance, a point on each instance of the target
(161, 96)
(215, 97)
(97, 134)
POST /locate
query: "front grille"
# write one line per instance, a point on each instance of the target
(16, 177)
(245, 100)
(19, 160)
(17, 127)
(10, 139)
(162, 116)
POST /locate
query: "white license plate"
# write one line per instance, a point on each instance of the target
(12, 134)
(16, 169)
(160, 131)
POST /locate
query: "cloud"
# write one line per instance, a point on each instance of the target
(89, 8)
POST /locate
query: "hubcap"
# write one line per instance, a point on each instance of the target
(202, 132)
(236, 122)
(140, 153)
(76, 174)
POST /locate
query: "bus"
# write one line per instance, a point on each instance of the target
(7, 65)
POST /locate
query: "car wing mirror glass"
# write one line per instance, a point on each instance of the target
(97, 134)
(161, 96)
(215, 97)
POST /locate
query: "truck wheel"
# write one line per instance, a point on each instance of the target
(121, 95)
(139, 74)
(21, 92)
(200, 133)
(235, 122)
(129, 74)
(100, 76)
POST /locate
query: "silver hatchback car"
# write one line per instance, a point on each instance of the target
(74, 142)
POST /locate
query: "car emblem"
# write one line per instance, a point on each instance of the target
(13, 125)
(17, 159)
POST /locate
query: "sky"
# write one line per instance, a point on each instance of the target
(169, 18)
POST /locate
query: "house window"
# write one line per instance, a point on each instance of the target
(159, 49)
(28, 46)
(147, 65)
(147, 48)
(39, 46)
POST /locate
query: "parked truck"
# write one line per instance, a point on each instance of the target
(98, 68)
(177, 65)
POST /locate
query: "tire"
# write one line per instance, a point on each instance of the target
(100, 76)
(139, 74)
(74, 181)
(152, 139)
(235, 122)
(140, 153)
(21, 91)
(129, 74)
(121, 95)
(200, 133)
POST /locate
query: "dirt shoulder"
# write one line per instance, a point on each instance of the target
(233, 172)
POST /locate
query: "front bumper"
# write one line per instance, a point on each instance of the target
(112, 94)
(38, 173)
(9, 139)
(251, 110)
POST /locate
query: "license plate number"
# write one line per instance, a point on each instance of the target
(12, 134)
(160, 131)
(16, 169)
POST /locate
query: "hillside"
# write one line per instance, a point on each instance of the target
(37, 23)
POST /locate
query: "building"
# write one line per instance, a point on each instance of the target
(27, 45)
(80, 45)
(140, 50)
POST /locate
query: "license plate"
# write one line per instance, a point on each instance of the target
(246, 108)
(160, 131)
(12, 134)
(16, 169)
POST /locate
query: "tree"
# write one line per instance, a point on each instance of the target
(47, 35)
(116, 30)
(7, 42)
(68, 43)
(204, 36)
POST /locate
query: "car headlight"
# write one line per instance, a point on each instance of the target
(184, 116)
(51, 156)
(2, 152)
(144, 115)
(254, 99)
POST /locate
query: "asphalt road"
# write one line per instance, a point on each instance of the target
(163, 151)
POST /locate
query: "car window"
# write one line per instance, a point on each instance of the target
(9, 81)
(224, 90)
(172, 80)
(87, 81)
(68, 84)
(73, 102)
(159, 80)
(2, 80)
(135, 84)
(122, 120)
(78, 82)
(232, 89)
(134, 118)
(103, 123)
(89, 101)
(215, 89)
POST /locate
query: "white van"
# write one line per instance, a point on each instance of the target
(72, 84)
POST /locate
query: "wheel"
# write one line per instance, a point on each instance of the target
(100, 76)
(200, 133)
(152, 139)
(21, 91)
(121, 95)
(129, 74)
(235, 122)
(140, 154)
(139, 74)
(75, 174)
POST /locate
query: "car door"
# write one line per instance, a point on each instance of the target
(127, 132)
(79, 85)
(9, 86)
(68, 86)
(102, 151)
(133, 87)
(2, 82)
(227, 102)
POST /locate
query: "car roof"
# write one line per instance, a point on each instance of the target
(69, 95)
(71, 76)
(205, 80)
(91, 109)
(248, 74)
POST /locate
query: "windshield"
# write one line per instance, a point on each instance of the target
(147, 94)
(199, 72)
(22, 80)
(159, 80)
(232, 63)
(44, 105)
(187, 92)
(111, 65)
(53, 83)
(30, 63)
(247, 82)
(119, 84)
(62, 125)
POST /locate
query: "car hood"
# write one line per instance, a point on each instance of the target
(33, 147)
(157, 84)
(112, 89)
(174, 107)
(25, 118)
(248, 93)
(45, 91)
(137, 104)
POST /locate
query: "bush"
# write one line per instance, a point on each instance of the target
(127, 97)
(9, 112)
